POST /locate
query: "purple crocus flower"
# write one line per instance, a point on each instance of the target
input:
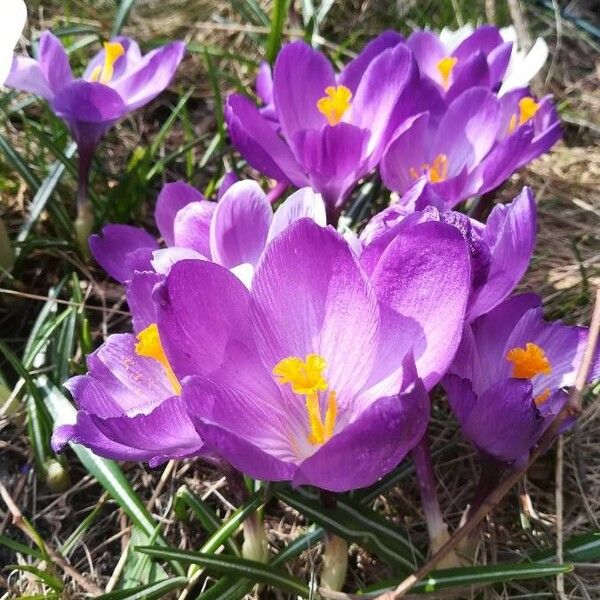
(476, 145)
(500, 250)
(310, 376)
(118, 80)
(456, 63)
(129, 402)
(509, 376)
(330, 129)
(232, 232)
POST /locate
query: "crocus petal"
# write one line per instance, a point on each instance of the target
(520, 73)
(302, 203)
(191, 228)
(228, 180)
(165, 433)
(14, 15)
(26, 76)
(139, 298)
(248, 432)
(472, 72)
(371, 446)
(424, 277)
(240, 225)
(498, 61)
(124, 63)
(428, 51)
(335, 158)
(264, 83)
(54, 62)
(320, 304)
(164, 258)
(484, 39)
(122, 249)
(172, 198)
(510, 234)
(259, 143)
(300, 77)
(151, 76)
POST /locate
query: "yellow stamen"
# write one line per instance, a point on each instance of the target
(104, 73)
(445, 67)
(150, 346)
(527, 109)
(436, 172)
(306, 378)
(541, 398)
(335, 103)
(529, 361)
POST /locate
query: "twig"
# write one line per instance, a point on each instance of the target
(560, 578)
(571, 409)
(20, 522)
(518, 18)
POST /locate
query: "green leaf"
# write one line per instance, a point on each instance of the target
(121, 16)
(355, 523)
(227, 588)
(478, 575)
(107, 472)
(19, 165)
(50, 580)
(150, 591)
(251, 11)
(278, 18)
(579, 548)
(213, 77)
(233, 565)
(21, 548)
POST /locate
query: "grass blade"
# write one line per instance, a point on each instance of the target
(278, 18)
(121, 16)
(233, 565)
(19, 547)
(50, 580)
(579, 548)
(147, 592)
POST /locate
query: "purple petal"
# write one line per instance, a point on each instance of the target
(300, 77)
(484, 39)
(172, 198)
(264, 83)
(240, 225)
(139, 298)
(124, 64)
(27, 76)
(428, 51)
(164, 258)
(498, 60)
(228, 180)
(355, 69)
(310, 296)
(473, 72)
(424, 276)
(371, 446)
(191, 228)
(302, 203)
(510, 234)
(151, 75)
(54, 62)
(259, 143)
(122, 249)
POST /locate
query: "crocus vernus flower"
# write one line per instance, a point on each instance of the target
(309, 376)
(509, 376)
(478, 143)
(500, 250)
(118, 80)
(129, 403)
(232, 232)
(330, 128)
(13, 14)
(457, 61)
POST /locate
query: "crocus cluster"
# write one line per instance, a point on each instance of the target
(296, 351)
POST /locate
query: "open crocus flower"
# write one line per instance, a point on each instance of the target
(478, 143)
(500, 250)
(232, 232)
(129, 403)
(509, 376)
(310, 376)
(331, 128)
(13, 15)
(456, 61)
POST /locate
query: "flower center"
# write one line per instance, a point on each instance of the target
(436, 172)
(104, 73)
(529, 362)
(150, 346)
(445, 67)
(527, 109)
(306, 378)
(335, 103)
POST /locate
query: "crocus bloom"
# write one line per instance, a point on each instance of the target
(13, 15)
(478, 143)
(457, 61)
(500, 250)
(232, 232)
(331, 128)
(310, 376)
(508, 378)
(129, 403)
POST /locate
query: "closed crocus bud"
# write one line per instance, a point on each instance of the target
(57, 476)
(255, 542)
(83, 227)
(335, 563)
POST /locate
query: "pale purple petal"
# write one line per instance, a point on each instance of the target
(191, 228)
(172, 198)
(164, 258)
(54, 62)
(302, 203)
(26, 76)
(139, 298)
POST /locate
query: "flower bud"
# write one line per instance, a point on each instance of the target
(255, 541)
(58, 478)
(335, 563)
